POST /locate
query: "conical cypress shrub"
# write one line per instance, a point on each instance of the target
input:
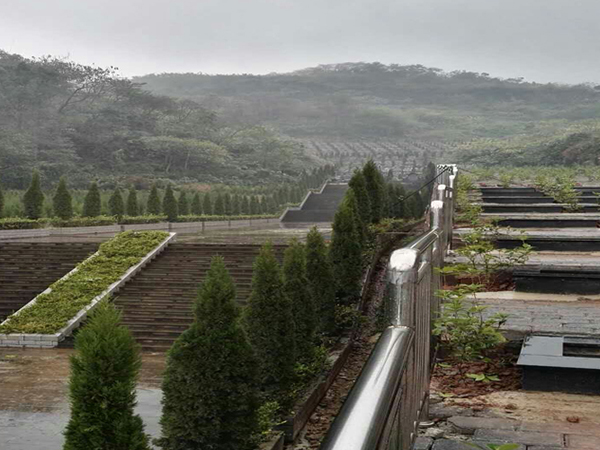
(375, 189)
(245, 205)
(102, 386)
(346, 254)
(227, 204)
(154, 205)
(269, 321)
(170, 205)
(207, 207)
(33, 200)
(196, 205)
(361, 228)
(92, 203)
(399, 205)
(1, 202)
(219, 207)
(235, 205)
(115, 203)
(358, 184)
(183, 204)
(210, 385)
(295, 285)
(254, 206)
(62, 202)
(132, 202)
(321, 284)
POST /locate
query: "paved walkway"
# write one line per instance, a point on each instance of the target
(34, 407)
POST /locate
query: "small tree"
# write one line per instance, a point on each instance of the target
(235, 205)
(154, 206)
(295, 285)
(321, 283)
(361, 228)
(183, 205)
(219, 206)
(207, 207)
(254, 208)
(376, 189)
(196, 204)
(269, 321)
(346, 254)
(1, 202)
(92, 203)
(33, 200)
(170, 205)
(102, 386)
(227, 204)
(358, 184)
(245, 205)
(210, 386)
(62, 202)
(116, 206)
(132, 202)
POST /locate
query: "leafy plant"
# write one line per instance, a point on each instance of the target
(485, 378)
(493, 446)
(268, 418)
(462, 327)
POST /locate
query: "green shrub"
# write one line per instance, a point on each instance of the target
(170, 205)
(269, 321)
(33, 200)
(16, 223)
(210, 386)
(346, 254)
(132, 203)
(127, 220)
(183, 205)
(207, 208)
(92, 204)
(376, 189)
(62, 202)
(462, 327)
(80, 222)
(102, 387)
(358, 184)
(53, 310)
(196, 208)
(295, 286)
(154, 207)
(115, 203)
(321, 283)
(219, 206)
(1, 202)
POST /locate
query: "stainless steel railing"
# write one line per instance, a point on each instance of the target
(390, 398)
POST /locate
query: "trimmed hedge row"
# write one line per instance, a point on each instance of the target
(28, 224)
(53, 310)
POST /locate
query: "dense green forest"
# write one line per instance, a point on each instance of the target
(87, 122)
(373, 100)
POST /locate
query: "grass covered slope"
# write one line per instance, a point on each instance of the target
(53, 310)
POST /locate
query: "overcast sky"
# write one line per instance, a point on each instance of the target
(541, 40)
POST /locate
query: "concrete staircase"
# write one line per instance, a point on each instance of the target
(157, 304)
(27, 269)
(317, 208)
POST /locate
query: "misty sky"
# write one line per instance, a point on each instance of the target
(541, 40)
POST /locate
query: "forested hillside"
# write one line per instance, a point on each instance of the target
(372, 100)
(88, 123)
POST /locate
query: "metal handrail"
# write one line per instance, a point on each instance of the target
(390, 397)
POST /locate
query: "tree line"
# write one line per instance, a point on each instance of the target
(127, 202)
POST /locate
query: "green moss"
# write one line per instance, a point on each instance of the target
(52, 311)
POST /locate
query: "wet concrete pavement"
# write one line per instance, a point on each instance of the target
(34, 408)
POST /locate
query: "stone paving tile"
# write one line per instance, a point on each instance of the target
(519, 437)
(423, 443)
(448, 444)
(562, 427)
(468, 425)
(583, 442)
